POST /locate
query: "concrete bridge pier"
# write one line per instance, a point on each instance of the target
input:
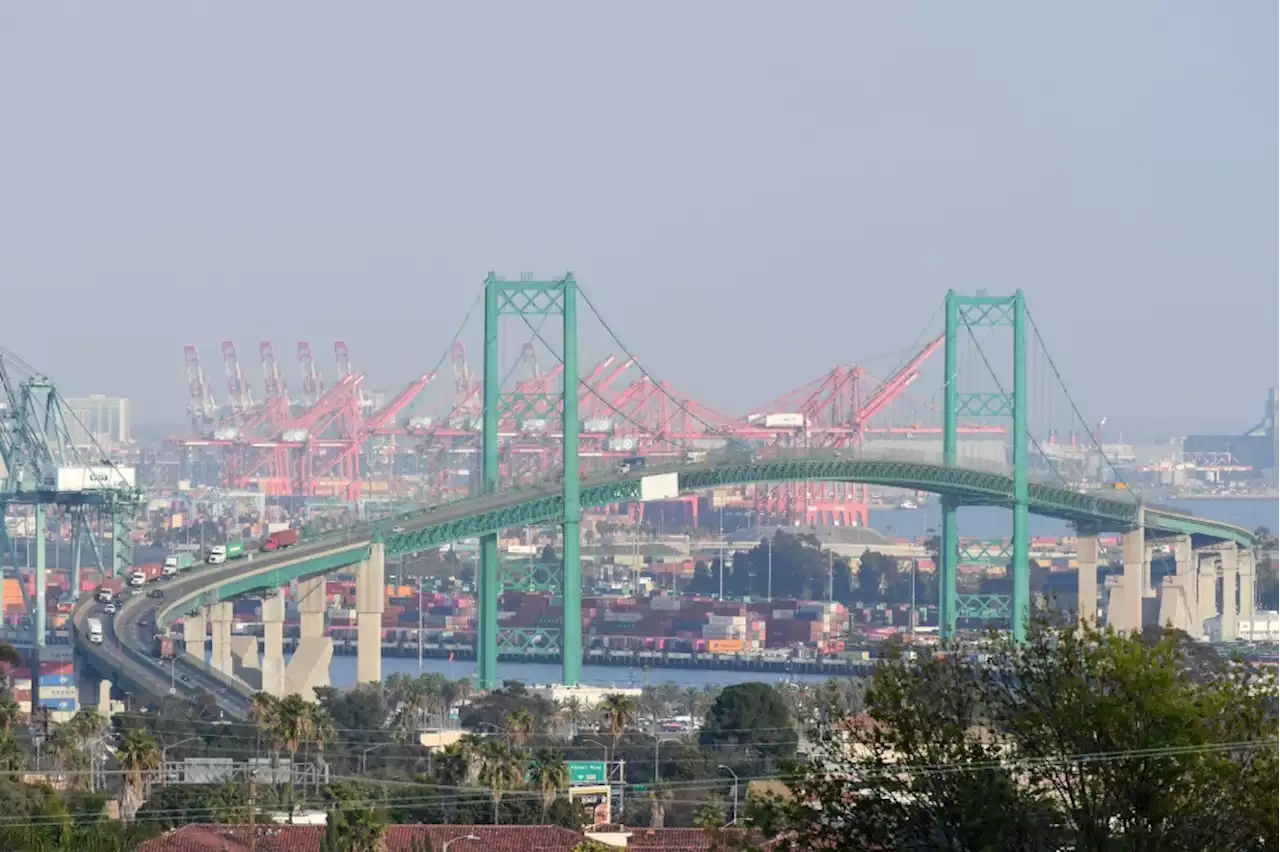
(273, 646)
(1124, 601)
(1245, 565)
(1087, 577)
(1227, 623)
(104, 698)
(245, 662)
(1206, 588)
(194, 635)
(1177, 591)
(309, 666)
(220, 616)
(370, 604)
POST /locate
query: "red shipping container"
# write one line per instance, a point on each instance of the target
(57, 667)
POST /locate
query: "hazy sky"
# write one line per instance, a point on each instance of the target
(751, 192)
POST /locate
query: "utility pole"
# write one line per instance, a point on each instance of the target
(770, 581)
(253, 837)
(830, 574)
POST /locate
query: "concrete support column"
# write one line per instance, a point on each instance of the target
(220, 616)
(194, 635)
(1087, 579)
(1244, 564)
(1206, 588)
(273, 646)
(370, 604)
(104, 698)
(311, 607)
(1124, 611)
(1228, 621)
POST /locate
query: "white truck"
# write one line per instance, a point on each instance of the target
(95, 630)
(137, 579)
(217, 554)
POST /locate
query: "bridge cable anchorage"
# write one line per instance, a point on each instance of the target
(1000, 387)
(1093, 438)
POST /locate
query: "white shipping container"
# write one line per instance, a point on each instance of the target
(534, 425)
(726, 619)
(95, 478)
(622, 445)
(226, 433)
(51, 693)
(784, 421)
(601, 424)
(664, 603)
(294, 436)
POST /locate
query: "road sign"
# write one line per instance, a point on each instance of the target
(586, 772)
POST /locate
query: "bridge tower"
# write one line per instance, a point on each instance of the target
(972, 312)
(533, 302)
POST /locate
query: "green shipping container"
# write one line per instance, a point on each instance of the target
(235, 550)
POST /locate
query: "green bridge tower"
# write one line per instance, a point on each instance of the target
(972, 312)
(537, 300)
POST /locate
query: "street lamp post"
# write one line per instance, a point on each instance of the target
(735, 792)
(364, 756)
(445, 846)
(164, 758)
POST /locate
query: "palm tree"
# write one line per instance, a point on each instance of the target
(13, 757)
(10, 712)
(322, 728)
(653, 707)
(63, 747)
(692, 700)
(137, 755)
(574, 713)
(659, 796)
(617, 712)
(262, 708)
(521, 725)
(501, 769)
(291, 725)
(550, 775)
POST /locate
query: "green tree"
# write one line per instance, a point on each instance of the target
(1079, 739)
(520, 726)
(750, 716)
(357, 828)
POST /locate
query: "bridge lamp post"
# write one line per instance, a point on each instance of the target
(364, 756)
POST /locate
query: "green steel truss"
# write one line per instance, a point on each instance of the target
(527, 299)
(984, 607)
(985, 552)
(978, 312)
(518, 576)
(425, 530)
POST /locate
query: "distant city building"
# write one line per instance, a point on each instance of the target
(99, 419)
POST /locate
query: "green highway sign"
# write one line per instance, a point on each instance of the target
(586, 771)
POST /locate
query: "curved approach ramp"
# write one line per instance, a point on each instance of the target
(127, 656)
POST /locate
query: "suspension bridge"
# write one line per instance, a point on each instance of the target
(997, 380)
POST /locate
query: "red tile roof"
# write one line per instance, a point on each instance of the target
(306, 838)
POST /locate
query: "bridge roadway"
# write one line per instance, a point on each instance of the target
(127, 655)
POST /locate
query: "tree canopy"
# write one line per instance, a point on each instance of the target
(1080, 739)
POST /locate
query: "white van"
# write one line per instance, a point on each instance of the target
(217, 554)
(137, 579)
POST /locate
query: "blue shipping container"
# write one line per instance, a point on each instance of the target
(58, 703)
(57, 680)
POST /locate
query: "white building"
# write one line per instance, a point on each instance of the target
(1265, 627)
